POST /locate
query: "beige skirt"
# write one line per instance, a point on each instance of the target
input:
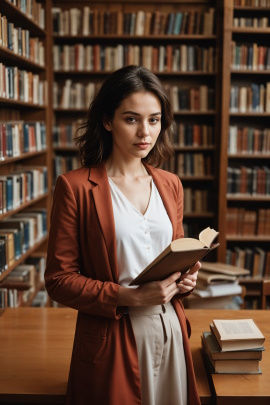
(161, 355)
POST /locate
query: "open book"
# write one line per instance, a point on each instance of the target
(180, 255)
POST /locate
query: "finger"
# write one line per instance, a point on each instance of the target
(192, 277)
(187, 282)
(173, 293)
(170, 280)
(195, 268)
(185, 289)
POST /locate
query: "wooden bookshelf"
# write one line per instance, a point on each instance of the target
(12, 110)
(179, 78)
(258, 121)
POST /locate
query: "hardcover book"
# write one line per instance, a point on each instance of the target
(212, 348)
(237, 334)
(180, 255)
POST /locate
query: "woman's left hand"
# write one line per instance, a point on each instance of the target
(188, 280)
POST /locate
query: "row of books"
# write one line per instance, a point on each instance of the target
(19, 233)
(88, 21)
(16, 84)
(193, 135)
(253, 98)
(73, 95)
(242, 221)
(245, 180)
(18, 41)
(65, 163)
(196, 200)
(19, 286)
(63, 134)
(251, 22)
(183, 58)
(201, 98)
(255, 259)
(250, 57)
(248, 140)
(34, 10)
(22, 185)
(18, 137)
(252, 3)
(233, 346)
(193, 164)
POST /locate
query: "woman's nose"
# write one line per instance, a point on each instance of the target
(143, 129)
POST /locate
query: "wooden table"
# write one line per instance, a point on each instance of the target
(236, 389)
(36, 344)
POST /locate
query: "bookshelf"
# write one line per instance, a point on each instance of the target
(25, 147)
(244, 188)
(183, 55)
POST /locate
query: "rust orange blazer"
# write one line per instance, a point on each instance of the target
(82, 273)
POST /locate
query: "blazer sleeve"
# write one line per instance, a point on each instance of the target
(63, 280)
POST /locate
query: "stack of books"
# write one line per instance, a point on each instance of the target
(217, 287)
(233, 346)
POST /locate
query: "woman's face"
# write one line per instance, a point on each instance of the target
(136, 125)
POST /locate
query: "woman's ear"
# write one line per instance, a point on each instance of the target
(107, 125)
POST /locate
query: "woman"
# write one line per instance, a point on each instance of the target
(110, 219)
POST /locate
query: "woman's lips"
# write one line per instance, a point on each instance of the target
(142, 145)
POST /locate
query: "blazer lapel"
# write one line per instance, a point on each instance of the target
(167, 195)
(103, 202)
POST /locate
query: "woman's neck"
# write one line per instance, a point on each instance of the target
(131, 169)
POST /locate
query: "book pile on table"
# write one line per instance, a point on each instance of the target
(233, 347)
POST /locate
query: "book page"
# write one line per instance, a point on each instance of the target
(207, 236)
(235, 329)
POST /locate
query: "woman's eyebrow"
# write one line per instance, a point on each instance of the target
(134, 113)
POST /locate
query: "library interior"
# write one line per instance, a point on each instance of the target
(213, 60)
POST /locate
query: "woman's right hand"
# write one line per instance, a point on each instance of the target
(148, 294)
(159, 292)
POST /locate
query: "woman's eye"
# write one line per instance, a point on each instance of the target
(131, 120)
(154, 120)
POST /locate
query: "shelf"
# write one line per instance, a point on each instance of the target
(249, 72)
(23, 257)
(20, 19)
(247, 238)
(21, 61)
(188, 112)
(246, 30)
(22, 156)
(70, 110)
(8, 102)
(251, 8)
(132, 38)
(249, 156)
(23, 206)
(105, 73)
(247, 198)
(193, 148)
(198, 215)
(195, 178)
(249, 114)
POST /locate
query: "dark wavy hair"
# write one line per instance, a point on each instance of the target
(95, 142)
